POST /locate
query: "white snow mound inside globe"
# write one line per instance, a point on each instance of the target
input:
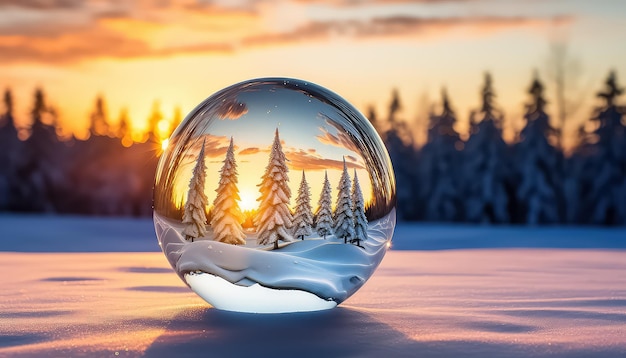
(313, 268)
(256, 298)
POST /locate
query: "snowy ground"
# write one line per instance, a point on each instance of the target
(508, 292)
(25, 233)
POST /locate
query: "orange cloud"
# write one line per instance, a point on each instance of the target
(222, 9)
(94, 43)
(252, 150)
(42, 4)
(299, 159)
(476, 25)
(341, 139)
(214, 147)
(67, 31)
(395, 26)
(354, 3)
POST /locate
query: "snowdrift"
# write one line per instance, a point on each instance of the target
(328, 269)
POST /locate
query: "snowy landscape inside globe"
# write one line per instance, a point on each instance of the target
(274, 195)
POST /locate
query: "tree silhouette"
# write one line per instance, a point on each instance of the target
(10, 148)
(98, 124)
(485, 172)
(399, 143)
(488, 108)
(324, 214)
(358, 205)
(194, 217)
(123, 130)
(395, 106)
(274, 219)
(176, 120)
(440, 185)
(608, 187)
(153, 122)
(482, 180)
(344, 213)
(398, 127)
(227, 217)
(576, 179)
(303, 217)
(538, 162)
(7, 117)
(43, 168)
(373, 118)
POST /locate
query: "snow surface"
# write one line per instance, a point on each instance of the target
(44, 233)
(37, 233)
(566, 297)
(454, 303)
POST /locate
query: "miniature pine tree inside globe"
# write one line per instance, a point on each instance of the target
(254, 204)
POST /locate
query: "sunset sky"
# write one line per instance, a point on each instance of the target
(180, 51)
(310, 129)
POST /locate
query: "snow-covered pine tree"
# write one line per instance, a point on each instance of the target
(303, 217)
(10, 154)
(358, 205)
(399, 142)
(43, 167)
(324, 214)
(607, 196)
(439, 167)
(578, 174)
(344, 213)
(274, 220)
(226, 216)
(538, 162)
(485, 168)
(194, 216)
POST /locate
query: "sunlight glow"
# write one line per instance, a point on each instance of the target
(247, 200)
(163, 128)
(164, 144)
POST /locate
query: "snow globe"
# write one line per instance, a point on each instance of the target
(274, 195)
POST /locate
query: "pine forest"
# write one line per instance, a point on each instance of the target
(472, 176)
(274, 220)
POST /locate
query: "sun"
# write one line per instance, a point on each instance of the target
(247, 200)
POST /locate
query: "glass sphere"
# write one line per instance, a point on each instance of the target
(274, 195)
